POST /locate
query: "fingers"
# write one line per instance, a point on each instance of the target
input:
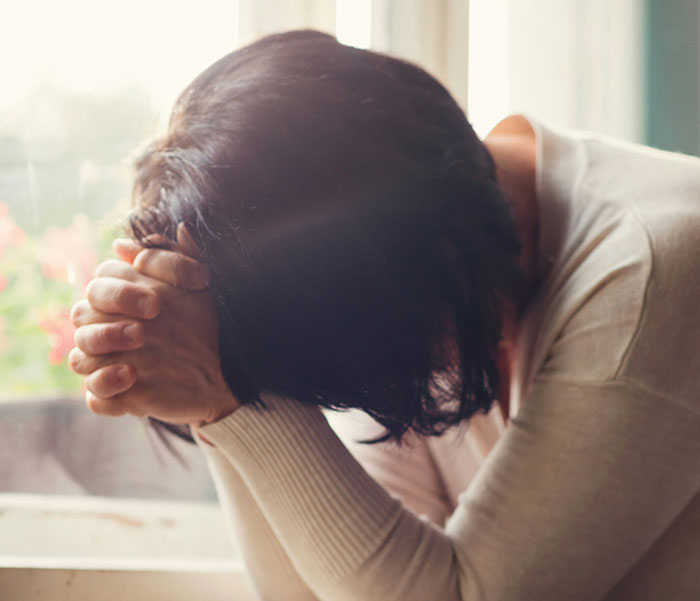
(186, 243)
(172, 267)
(178, 267)
(114, 295)
(84, 364)
(104, 338)
(126, 249)
(111, 380)
(109, 407)
(104, 381)
(112, 268)
(82, 313)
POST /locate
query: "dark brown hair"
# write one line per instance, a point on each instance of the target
(354, 231)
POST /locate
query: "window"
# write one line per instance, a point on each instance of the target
(87, 84)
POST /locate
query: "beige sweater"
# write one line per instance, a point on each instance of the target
(591, 492)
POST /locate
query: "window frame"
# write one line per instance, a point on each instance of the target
(138, 569)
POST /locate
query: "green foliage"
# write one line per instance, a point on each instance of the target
(35, 300)
(64, 184)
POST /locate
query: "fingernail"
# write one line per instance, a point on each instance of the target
(146, 306)
(122, 373)
(131, 332)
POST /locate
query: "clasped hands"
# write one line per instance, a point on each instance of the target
(147, 337)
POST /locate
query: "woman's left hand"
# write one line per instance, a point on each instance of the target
(167, 364)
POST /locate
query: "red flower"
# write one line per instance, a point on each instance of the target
(60, 331)
(69, 253)
(10, 233)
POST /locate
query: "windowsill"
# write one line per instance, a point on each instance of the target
(55, 547)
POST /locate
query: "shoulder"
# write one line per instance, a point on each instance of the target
(629, 310)
(650, 171)
(516, 133)
(620, 298)
(664, 356)
(514, 125)
(661, 192)
(591, 315)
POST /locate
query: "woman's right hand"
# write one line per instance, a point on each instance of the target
(147, 338)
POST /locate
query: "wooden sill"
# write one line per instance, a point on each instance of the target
(93, 548)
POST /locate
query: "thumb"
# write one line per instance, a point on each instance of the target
(186, 243)
(126, 249)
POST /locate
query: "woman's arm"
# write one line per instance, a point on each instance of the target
(581, 484)
(583, 481)
(407, 471)
(271, 573)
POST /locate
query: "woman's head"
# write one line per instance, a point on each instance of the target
(350, 219)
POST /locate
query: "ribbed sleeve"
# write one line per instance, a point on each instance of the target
(295, 464)
(582, 482)
(334, 521)
(593, 490)
(272, 575)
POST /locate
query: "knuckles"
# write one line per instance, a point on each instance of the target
(179, 270)
(111, 381)
(108, 268)
(124, 295)
(78, 311)
(101, 406)
(93, 404)
(75, 357)
(184, 318)
(98, 338)
(142, 260)
(90, 292)
(93, 292)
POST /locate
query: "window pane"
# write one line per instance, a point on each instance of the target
(86, 84)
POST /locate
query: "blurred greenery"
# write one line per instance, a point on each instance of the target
(64, 188)
(64, 153)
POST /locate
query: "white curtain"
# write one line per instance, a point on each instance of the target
(572, 63)
(260, 17)
(432, 33)
(578, 63)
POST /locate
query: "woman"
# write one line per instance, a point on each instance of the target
(364, 249)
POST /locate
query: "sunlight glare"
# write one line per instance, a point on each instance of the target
(91, 46)
(488, 64)
(353, 22)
